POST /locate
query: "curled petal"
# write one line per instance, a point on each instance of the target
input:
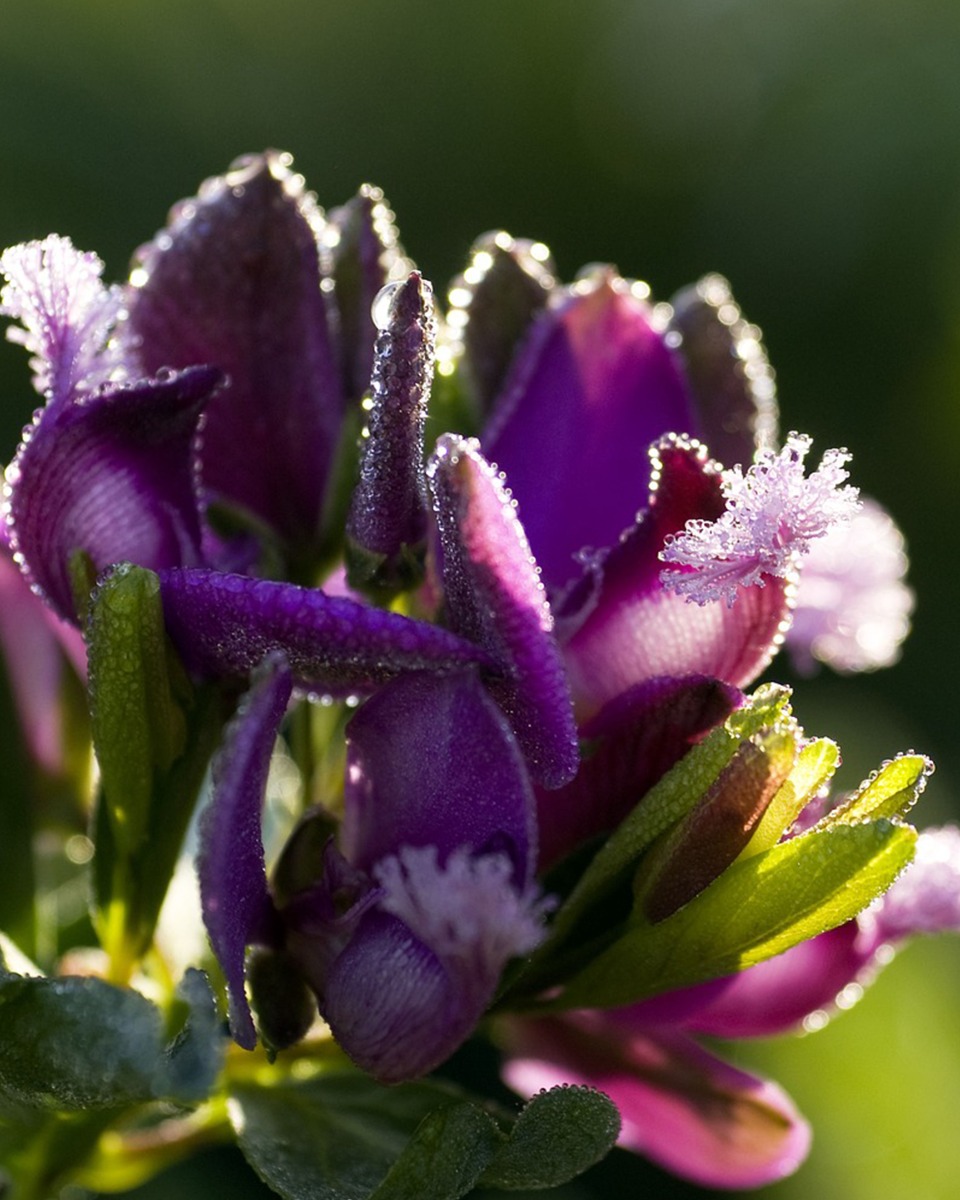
(494, 595)
(391, 1004)
(224, 625)
(432, 761)
(690, 1112)
(113, 478)
(235, 280)
(632, 629)
(233, 883)
(591, 387)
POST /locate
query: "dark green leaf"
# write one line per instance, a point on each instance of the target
(334, 1137)
(559, 1134)
(445, 1158)
(77, 1043)
(195, 1055)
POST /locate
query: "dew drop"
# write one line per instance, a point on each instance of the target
(382, 308)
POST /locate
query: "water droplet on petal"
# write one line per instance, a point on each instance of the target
(382, 306)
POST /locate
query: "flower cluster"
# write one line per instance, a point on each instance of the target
(480, 571)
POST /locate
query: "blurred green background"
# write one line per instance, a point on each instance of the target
(807, 149)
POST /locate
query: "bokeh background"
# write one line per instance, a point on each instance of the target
(807, 149)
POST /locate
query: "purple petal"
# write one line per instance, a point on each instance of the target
(366, 255)
(634, 629)
(224, 625)
(727, 371)
(235, 281)
(391, 1004)
(230, 863)
(508, 281)
(431, 760)
(692, 1113)
(387, 523)
(925, 898)
(591, 388)
(112, 477)
(639, 737)
(494, 595)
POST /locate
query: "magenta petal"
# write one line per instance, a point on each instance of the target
(391, 1004)
(224, 625)
(432, 761)
(775, 996)
(635, 630)
(692, 1113)
(493, 594)
(235, 281)
(112, 477)
(37, 647)
(233, 882)
(593, 385)
(638, 737)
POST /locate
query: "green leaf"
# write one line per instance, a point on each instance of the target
(138, 726)
(664, 806)
(559, 1135)
(890, 792)
(445, 1157)
(815, 765)
(72, 1044)
(334, 1137)
(194, 1056)
(758, 908)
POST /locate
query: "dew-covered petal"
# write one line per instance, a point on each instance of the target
(233, 883)
(235, 280)
(493, 595)
(431, 760)
(853, 606)
(112, 478)
(633, 629)
(366, 254)
(726, 370)
(224, 625)
(690, 1112)
(632, 742)
(387, 522)
(592, 386)
(506, 283)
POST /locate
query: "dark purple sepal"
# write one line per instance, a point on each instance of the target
(224, 625)
(387, 522)
(493, 595)
(631, 628)
(235, 280)
(727, 371)
(636, 739)
(112, 478)
(503, 288)
(365, 255)
(237, 909)
(391, 1003)
(431, 761)
(590, 388)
